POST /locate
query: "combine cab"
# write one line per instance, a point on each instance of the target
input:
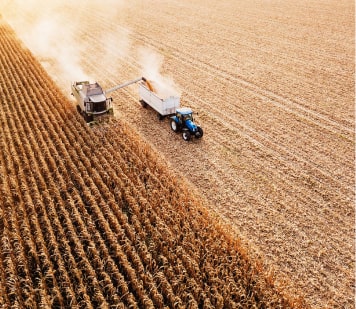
(91, 100)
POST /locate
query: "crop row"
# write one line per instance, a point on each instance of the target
(279, 145)
(90, 218)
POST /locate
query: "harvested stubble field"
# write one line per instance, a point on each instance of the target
(273, 83)
(91, 218)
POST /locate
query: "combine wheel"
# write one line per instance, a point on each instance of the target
(79, 109)
(186, 135)
(199, 133)
(88, 118)
(175, 126)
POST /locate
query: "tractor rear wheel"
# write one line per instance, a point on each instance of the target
(186, 135)
(175, 126)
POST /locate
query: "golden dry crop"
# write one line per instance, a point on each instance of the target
(91, 218)
(273, 83)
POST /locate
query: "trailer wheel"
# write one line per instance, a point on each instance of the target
(186, 135)
(175, 126)
(199, 133)
(143, 103)
(160, 117)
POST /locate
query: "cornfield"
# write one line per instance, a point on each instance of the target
(259, 209)
(89, 218)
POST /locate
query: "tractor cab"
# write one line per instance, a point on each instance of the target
(183, 114)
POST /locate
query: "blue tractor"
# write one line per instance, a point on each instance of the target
(183, 122)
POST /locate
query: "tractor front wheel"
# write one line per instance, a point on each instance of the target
(186, 135)
(199, 133)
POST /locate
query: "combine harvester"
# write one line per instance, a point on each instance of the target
(92, 101)
(93, 104)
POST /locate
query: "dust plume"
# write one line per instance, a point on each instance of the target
(53, 31)
(81, 40)
(151, 63)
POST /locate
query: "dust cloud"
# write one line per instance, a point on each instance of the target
(55, 31)
(151, 63)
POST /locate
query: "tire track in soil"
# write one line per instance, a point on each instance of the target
(294, 106)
